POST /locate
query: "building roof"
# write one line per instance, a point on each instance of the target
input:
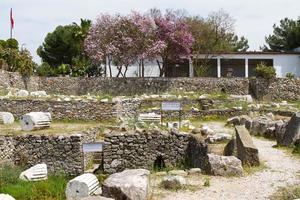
(252, 53)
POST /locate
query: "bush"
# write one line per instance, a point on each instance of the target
(12, 43)
(290, 75)
(264, 71)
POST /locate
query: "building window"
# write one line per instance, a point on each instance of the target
(233, 67)
(252, 63)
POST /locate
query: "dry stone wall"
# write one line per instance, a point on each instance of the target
(75, 110)
(141, 150)
(60, 153)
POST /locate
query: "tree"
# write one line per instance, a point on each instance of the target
(26, 66)
(215, 33)
(123, 40)
(285, 37)
(173, 31)
(65, 46)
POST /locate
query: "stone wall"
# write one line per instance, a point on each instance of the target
(60, 153)
(141, 150)
(75, 110)
(124, 86)
(276, 89)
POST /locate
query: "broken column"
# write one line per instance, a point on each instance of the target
(292, 132)
(6, 118)
(35, 120)
(36, 173)
(246, 150)
(82, 186)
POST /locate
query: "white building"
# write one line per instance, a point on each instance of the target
(235, 64)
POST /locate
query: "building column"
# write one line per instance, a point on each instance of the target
(191, 67)
(219, 67)
(246, 68)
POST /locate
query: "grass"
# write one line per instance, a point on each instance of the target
(61, 128)
(3, 92)
(287, 193)
(51, 189)
(295, 152)
(249, 170)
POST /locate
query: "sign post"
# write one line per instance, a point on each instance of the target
(172, 106)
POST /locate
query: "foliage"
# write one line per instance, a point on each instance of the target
(285, 37)
(290, 75)
(266, 72)
(64, 47)
(206, 182)
(12, 43)
(53, 188)
(26, 65)
(215, 33)
(173, 30)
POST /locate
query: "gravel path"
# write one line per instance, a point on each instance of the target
(281, 170)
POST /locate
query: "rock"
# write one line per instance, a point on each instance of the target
(260, 125)
(191, 127)
(230, 149)
(38, 94)
(35, 120)
(246, 150)
(234, 120)
(173, 182)
(196, 131)
(67, 99)
(6, 197)
(247, 98)
(36, 173)
(194, 171)
(245, 119)
(280, 128)
(82, 186)
(195, 109)
(22, 93)
(178, 172)
(270, 116)
(205, 130)
(104, 100)
(292, 132)
(6, 118)
(130, 184)
(223, 165)
(218, 137)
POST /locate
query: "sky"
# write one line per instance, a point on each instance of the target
(35, 18)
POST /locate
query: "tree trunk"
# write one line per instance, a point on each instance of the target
(126, 68)
(161, 70)
(143, 68)
(120, 71)
(109, 66)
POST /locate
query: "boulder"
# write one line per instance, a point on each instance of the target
(82, 186)
(234, 120)
(22, 93)
(205, 130)
(35, 173)
(193, 171)
(230, 148)
(173, 182)
(244, 119)
(132, 184)
(280, 128)
(6, 197)
(218, 137)
(223, 165)
(246, 150)
(6, 118)
(35, 120)
(196, 131)
(292, 132)
(260, 125)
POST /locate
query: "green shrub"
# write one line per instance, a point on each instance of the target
(264, 71)
(290, 75)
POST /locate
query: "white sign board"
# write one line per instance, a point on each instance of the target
(171, 106)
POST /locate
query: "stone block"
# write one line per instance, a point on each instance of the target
(6, 197)
(6, 118)
(246, 151)
(292, 132)
(129, 184)
(36, 173)
(35, 120)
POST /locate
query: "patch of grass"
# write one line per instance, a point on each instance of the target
(3, 92)
(206, 182)
(51, 189)
(287, 193)
(62, 127)
(249, 170)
